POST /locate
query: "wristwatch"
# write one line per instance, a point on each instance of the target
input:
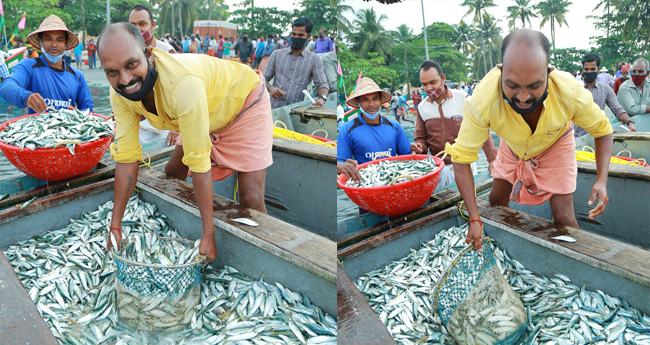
(628, 123)
(324, 97)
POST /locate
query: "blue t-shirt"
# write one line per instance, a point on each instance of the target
(366, 142)
(77, 49)
(59, 88)
(402, 101)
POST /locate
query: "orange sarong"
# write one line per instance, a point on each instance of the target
(246, 144)
(553, 171)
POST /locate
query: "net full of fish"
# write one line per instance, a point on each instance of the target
(384, 172)
(557, 311)
(72, 282)
(64, 127)
(475, 302)
(158, 280)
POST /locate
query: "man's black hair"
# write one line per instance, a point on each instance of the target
(125, 26)
(590, 58)
(428, 64)
(303, 21)
(143, 7)
(269, 36)
(40, 36)
(529, 36)
(244, 33)
(220, 36)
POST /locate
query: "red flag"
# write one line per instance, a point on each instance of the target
(21, 24)
(338, 70)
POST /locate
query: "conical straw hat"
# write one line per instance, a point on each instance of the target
(53, 23)
(364, 87)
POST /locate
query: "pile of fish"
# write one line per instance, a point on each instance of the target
(558, 312)
(384, 172)
(149, 249)
(62, 127)
(72, 282)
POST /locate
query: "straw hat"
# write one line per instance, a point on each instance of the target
(364, 87)
(53, 23)
(603, 69)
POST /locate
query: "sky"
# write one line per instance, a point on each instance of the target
(409, 12)
(285, 5)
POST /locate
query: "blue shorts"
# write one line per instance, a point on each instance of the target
(77, 58)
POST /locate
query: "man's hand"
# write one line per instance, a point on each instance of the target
(36, 102)
(474, 235)
(349, 169)
(490, 167)
(208, 246)
(632, 127)
(598, 190)
(276, 92)
(171, 138)
(118, 237)
(320, 101)
(417, 148)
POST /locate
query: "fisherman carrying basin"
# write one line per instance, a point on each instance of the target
(531, 107)
(220, 108)
(369, 136)
(47, 81)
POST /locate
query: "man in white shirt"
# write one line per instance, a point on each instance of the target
(142, 17)
(213, 45)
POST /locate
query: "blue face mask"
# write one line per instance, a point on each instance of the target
(368, 115)
(50, 58)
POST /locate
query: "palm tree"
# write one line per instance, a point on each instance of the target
(637, 21)
(522, 10)
(465, 38)
(343, 25)
(402, 35)
(492, 34)
(477, 8)
(552, 11)
(369, 36)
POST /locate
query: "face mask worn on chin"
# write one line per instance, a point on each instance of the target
(50, 58)
(298, 43)
(147, 85)
(638, 79)
(590, 77)
(532, 108)
(369, 115)
(436, 93)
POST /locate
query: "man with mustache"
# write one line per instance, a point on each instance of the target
(220, 108)
(47, 81)
(531, 107)
(634, 94)
(624, 76)
(439, 118)
(142, 17)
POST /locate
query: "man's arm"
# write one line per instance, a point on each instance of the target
(420, 135)
(603, 153)
(13, 87)
(616, 108)
(126, 177)
(320, 81)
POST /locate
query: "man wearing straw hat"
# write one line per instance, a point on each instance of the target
(369, 136)
(47, 81)
(220, 108)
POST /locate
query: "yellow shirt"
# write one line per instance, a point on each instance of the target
(195, 95)
(567, 101)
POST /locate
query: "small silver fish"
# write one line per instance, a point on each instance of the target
(245, 221)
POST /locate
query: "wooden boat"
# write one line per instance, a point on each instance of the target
(275, 250)
(300, 117)
(626, 216)
(598, 262)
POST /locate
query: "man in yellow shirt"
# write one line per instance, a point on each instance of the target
(220, 108)
(532, 108)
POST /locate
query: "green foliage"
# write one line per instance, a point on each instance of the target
(369, 36)
(568, 59)
(35, 10)
(372, 67)
(260, 21)
(320, 12)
